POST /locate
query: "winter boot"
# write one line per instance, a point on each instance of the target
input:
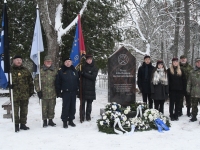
(180, 112)
(65, 125)
(16, 127)
(188, 112)
(193, 119)
(88, 110)
(24, 127)
(71, 123)
(45, 123)
(51, 123)
(88, 118)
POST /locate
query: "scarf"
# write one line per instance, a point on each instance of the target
(160, 77)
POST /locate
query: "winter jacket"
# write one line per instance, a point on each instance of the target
(22, 82)
(176, 82)
(159, 91)
(47, 76)
(89, 73)
(186, 69)
(67, 80)
(144, 83)
(193, 85)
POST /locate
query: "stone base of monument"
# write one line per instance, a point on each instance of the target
(102, 111)
(131, 114)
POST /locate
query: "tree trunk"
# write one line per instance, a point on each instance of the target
(187, 27)
(176, 38)
(192, 60)
(47, 11)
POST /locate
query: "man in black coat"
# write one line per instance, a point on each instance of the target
(88, 73)
(67, 85)
(144, 80)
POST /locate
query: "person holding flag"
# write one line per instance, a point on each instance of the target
(23, 89)
(89, 73)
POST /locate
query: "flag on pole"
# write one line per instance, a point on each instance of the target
(78, 48)
(4, 50)
(37, 44)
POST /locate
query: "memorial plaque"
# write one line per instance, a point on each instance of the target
(121, 77)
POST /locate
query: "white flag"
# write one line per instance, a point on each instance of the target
(37, 44)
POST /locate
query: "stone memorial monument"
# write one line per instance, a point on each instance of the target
(121, 77)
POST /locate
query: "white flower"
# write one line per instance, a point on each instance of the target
(114, 107)
(126, 111)
(107, 121)
(124, 118)
(128, 108)
(104, 117)
(101, 123)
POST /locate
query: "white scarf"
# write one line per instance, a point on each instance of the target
(160, 77)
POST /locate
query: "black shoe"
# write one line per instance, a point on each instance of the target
(88, 118)
(24, 127)
(65, 125)
(189, 114)
(51, 123)
(176, 119)
(71, 124)
(172, 118)
(45, 123)
(193, 119)
(180, 113)
(16, 127)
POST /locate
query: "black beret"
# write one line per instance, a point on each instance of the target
(146, 56)
(17, 56)
(175, 59)
(88, 56)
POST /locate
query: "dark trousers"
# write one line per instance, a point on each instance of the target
(174, 97)
(68, 106)
(21, 111)
(159, 105)
(150, 101)
(88, 107)
(188, 101)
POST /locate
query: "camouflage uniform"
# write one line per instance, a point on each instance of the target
(193, 88)
(48, 76)
(23, 89)
(186, 69)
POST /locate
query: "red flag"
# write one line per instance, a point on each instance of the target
(81, 39)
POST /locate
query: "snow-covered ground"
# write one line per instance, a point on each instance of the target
(183, 135)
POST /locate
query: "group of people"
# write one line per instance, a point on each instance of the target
(180, 80)
(52, 83)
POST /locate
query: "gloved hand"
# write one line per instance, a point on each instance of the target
(59, 95)
(39, 94)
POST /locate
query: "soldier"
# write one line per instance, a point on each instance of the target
(193, 88)
(89, 73)
(144, 80)
(186, 69)
(47, 91)
(67, 81)
(23, 89)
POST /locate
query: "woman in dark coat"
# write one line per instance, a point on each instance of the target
(89, 73)
(177, 85)
(159, 86)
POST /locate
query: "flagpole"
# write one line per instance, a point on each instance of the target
(38, 69)
(12, 102)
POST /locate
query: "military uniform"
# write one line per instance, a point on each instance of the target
(186, 69)
(67, 84)
(193, 88)
(23, 89)
(47, 76)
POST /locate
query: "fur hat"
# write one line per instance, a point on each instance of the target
(17, 56)
(146, 56)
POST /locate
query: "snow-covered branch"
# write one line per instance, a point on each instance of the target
(58, 23)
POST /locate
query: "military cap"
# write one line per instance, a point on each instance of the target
(47, 58)
(17, 56)
(146, 56)
(197, 59)
(175, 59)
(182, 56)
(68, 58)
